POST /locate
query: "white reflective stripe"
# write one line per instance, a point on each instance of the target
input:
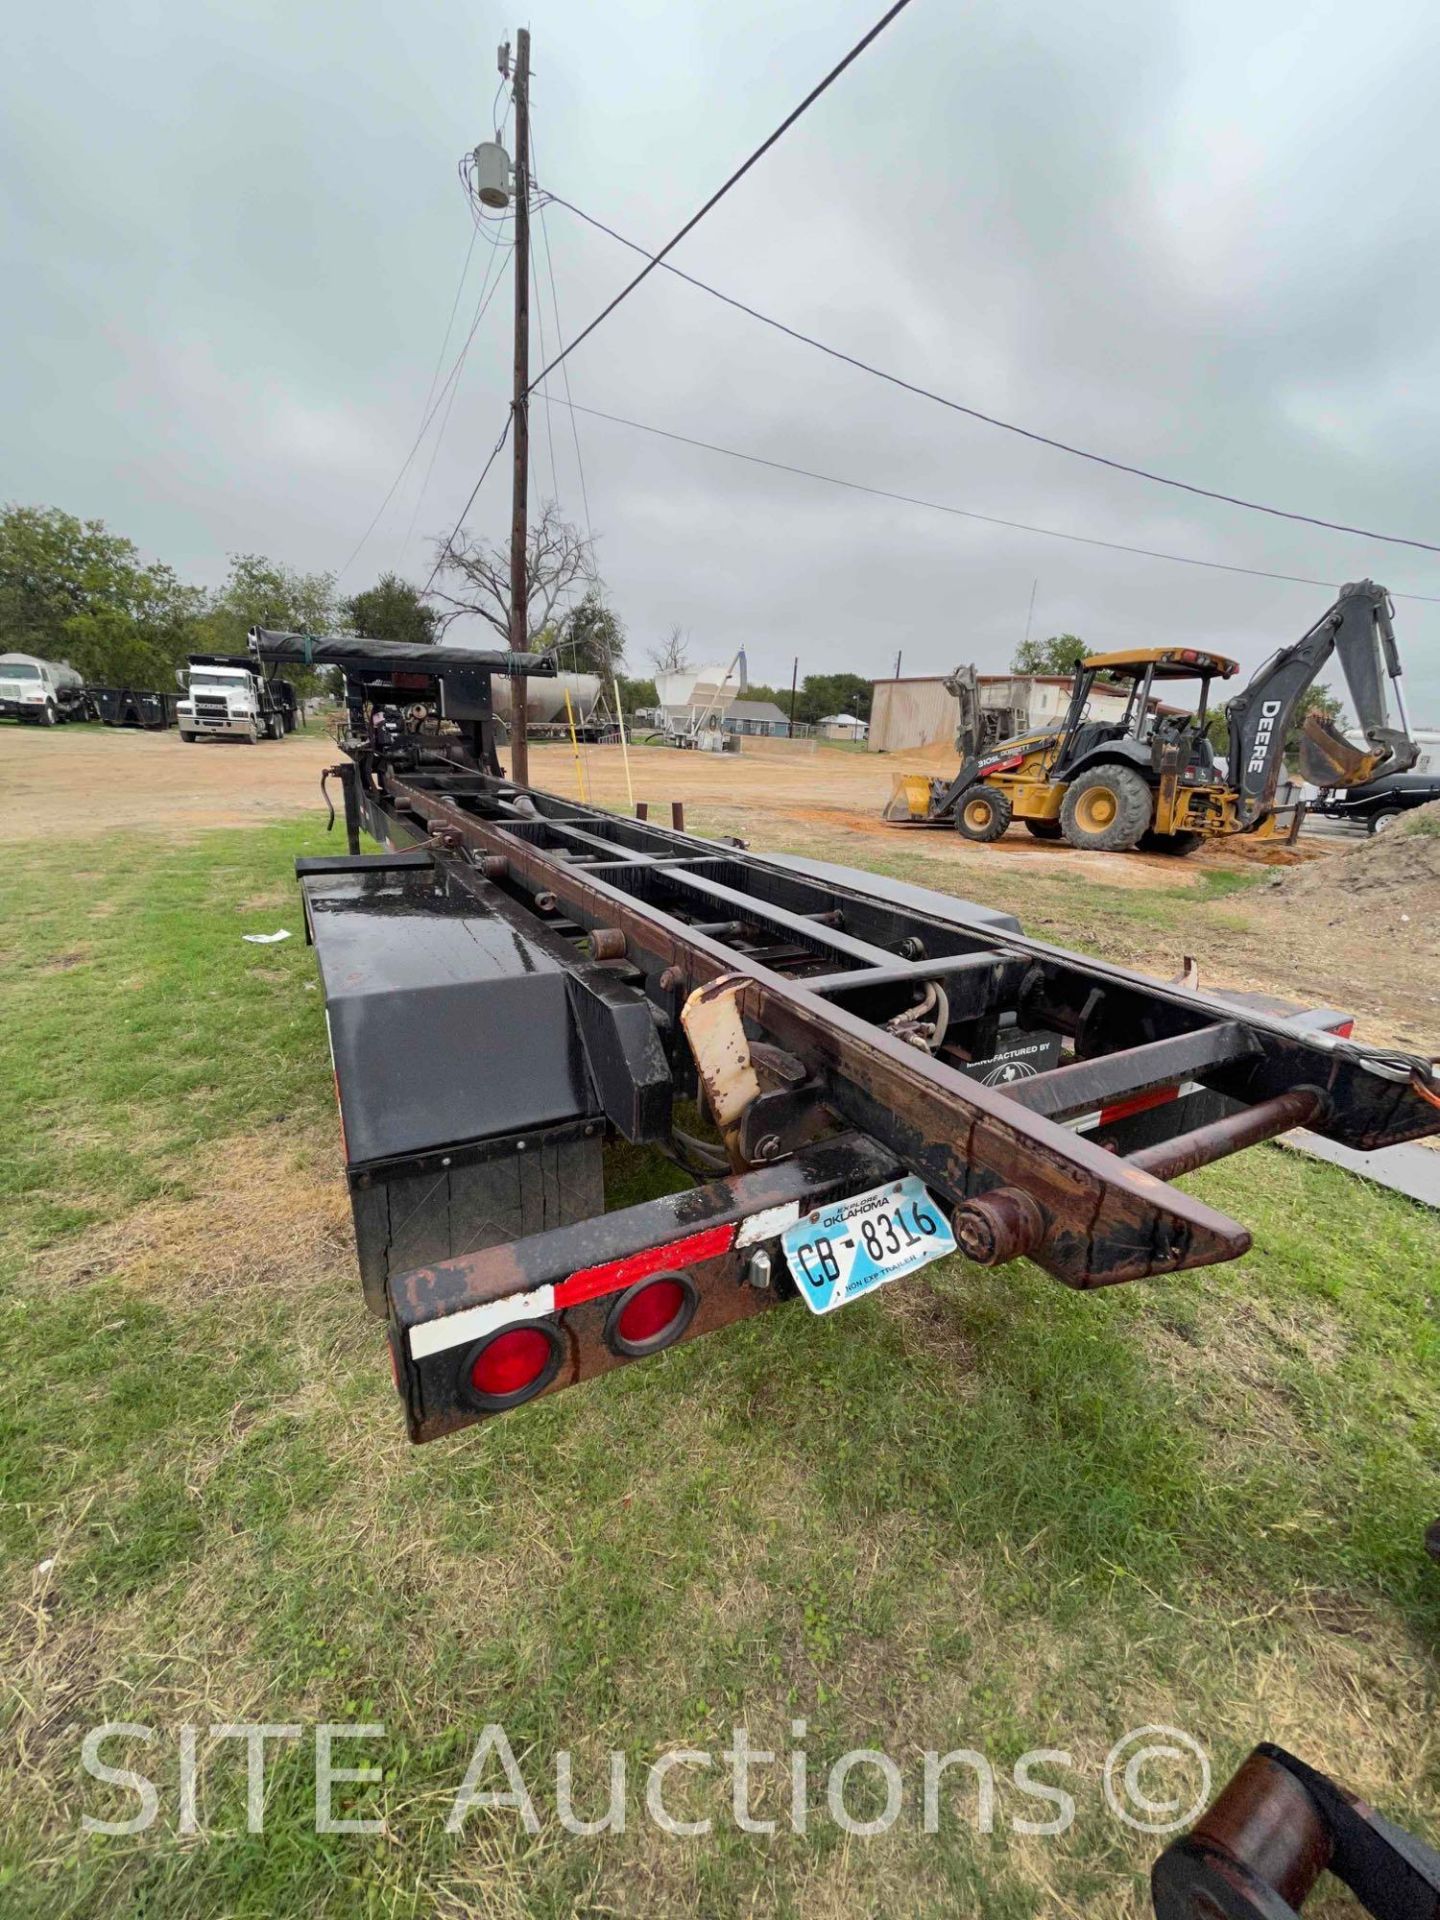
(765, 1226)
(472, 1323)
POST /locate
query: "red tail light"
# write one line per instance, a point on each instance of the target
(511, 1366)
(650, 1315)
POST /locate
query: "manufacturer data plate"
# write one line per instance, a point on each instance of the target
(854, 1245)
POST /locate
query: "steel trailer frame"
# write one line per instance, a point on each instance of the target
(836, 1025)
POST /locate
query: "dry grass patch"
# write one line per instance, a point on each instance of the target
(272, 1217)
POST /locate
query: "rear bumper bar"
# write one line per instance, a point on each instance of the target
(570, 1277)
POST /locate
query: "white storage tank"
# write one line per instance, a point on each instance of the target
(545, 699)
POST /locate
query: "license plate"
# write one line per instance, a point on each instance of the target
(854, 1245)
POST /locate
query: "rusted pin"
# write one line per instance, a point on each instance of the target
(546, 903)
(999, 1226)
(607, 943)
(495, 866)
(1264, 1840)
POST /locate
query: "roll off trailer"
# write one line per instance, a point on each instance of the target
(889, 1074)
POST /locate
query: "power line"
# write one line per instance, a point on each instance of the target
(540, 325)
(482, 306)
(565, 375)
(956, 406)
(487, 294)
(444, 553)
(962, 513)
(564, 370)
(655, 260)
(449, 324)
(435, 447)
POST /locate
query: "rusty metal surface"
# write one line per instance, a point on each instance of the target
(1167, 1160)
(716, 1032)
(1259, 1850)
(430, 1295)
(1101, 1220)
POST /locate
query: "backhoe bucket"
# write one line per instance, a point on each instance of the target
(1328, 759)
(909, 799)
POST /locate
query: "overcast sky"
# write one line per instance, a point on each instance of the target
(1196, 235)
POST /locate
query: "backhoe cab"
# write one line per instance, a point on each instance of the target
(1150, 778)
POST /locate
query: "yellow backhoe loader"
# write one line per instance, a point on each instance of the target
(1151, 778)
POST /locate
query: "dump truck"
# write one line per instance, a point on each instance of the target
(1151, 778)
(230, 696)
(886, 1075)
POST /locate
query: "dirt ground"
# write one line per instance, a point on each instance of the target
(826, 800)
(80, 780)
(84, 777)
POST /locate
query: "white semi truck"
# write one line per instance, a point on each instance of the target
(229, 697)
(40, 692)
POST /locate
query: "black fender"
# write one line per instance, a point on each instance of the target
(1125, 753)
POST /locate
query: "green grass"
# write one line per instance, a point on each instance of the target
(975, 1510)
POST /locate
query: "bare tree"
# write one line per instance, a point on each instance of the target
(673, 653)
(557, 558)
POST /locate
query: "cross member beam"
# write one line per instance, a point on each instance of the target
(1100, 1220)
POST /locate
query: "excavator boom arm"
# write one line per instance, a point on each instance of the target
(1357, 630)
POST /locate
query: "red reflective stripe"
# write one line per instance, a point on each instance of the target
(1140, 1104)
(590, 1282)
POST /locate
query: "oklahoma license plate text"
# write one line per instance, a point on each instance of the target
(854, 1245)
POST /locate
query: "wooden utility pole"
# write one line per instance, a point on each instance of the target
(794, 677)
(520, 413)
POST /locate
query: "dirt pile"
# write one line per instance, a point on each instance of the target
(1389, 884)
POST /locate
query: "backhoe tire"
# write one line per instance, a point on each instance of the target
(1175, 844)
(1044, 829)
(1107, 810)
(982, 814)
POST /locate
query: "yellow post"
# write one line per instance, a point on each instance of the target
(575, 748)
(624, 749)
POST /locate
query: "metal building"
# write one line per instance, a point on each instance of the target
(922, 712)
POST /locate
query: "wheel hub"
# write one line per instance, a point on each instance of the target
(1096, 809)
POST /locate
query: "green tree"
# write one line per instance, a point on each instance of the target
(826, 693)
(591, 638)
(1061, 653)
(72, 590)
(1314, 700)
(392, 610)
(635, 694)
(264, 593)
